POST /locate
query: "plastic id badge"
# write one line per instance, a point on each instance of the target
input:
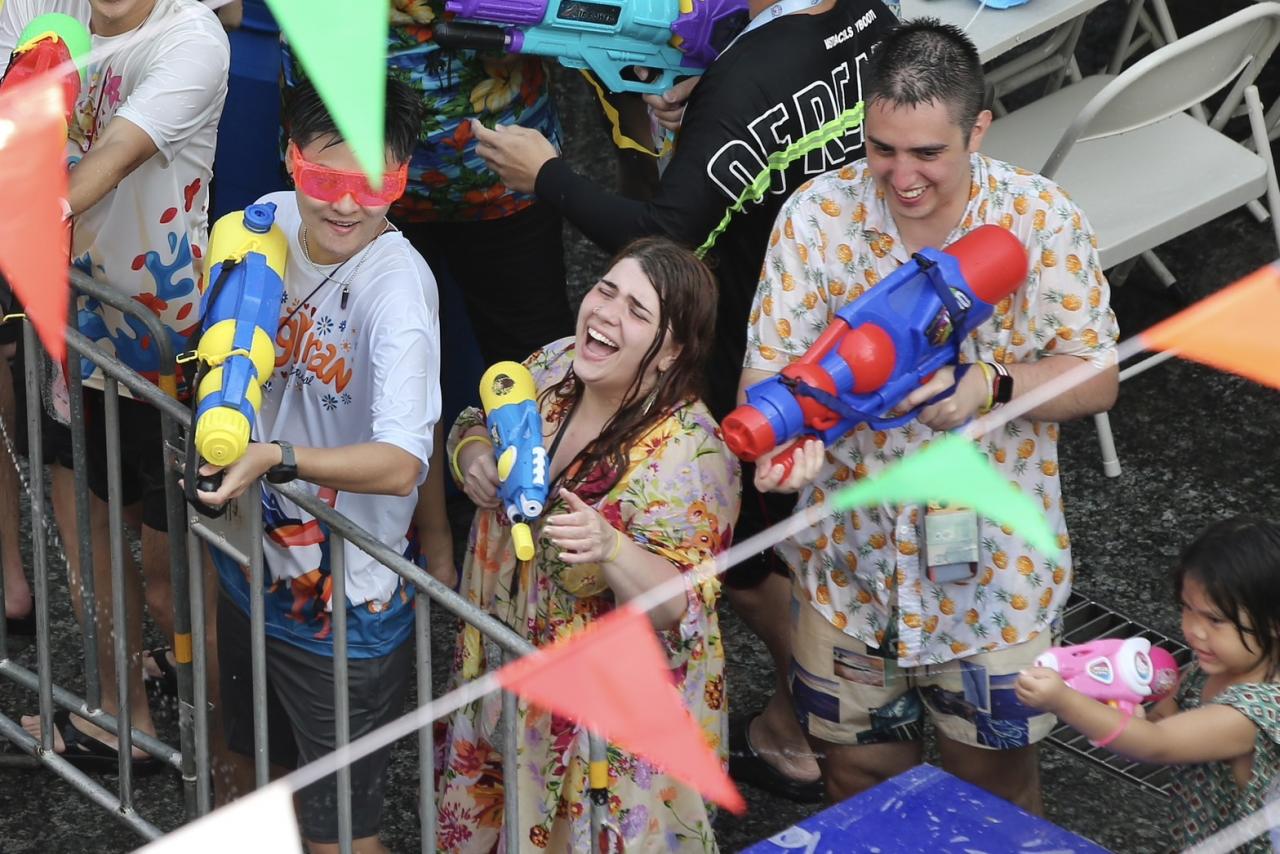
(950, 543)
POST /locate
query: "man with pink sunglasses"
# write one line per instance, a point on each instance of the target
(349, 410)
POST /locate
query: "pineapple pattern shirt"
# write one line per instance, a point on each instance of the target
(834, 239)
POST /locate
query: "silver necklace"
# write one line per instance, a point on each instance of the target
(306, 250)
(329, 277)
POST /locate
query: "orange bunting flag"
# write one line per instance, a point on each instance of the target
(613, 678)
(1233, 330)
(33, 181)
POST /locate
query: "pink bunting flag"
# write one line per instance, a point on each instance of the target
(613, 678)
(34, 241)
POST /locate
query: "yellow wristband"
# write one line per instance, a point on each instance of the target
(457, 449)
(989, 376)
(617, 547)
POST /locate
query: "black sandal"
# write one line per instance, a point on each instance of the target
(747, 766)
(89, 754)
(166, 684)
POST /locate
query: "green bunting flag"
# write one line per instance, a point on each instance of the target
(342, 45)
(951, 469)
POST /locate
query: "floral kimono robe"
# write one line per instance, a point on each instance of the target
(678, 498)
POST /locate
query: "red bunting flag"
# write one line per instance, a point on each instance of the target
(614, 679)
(1233, 330)
(33, 183)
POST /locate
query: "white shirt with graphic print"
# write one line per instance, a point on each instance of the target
(147, 236)
(368, 371)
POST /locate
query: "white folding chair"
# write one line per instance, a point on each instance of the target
(1156, 29)
(1144, 171)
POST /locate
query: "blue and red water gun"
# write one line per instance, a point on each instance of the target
(881, 347)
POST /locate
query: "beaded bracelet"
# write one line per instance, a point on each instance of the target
(457, 449)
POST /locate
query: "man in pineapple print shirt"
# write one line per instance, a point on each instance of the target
(876, 642)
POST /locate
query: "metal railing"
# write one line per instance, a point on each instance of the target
(239, 535)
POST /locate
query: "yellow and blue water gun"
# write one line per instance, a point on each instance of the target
(515, 425)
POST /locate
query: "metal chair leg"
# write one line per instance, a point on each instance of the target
(1257, 121)
(1107, 444)
(1126, 39)
(1157, 266)
(1118, 274)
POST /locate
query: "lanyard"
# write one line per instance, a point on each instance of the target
(778, 10)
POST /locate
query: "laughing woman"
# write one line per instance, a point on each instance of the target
(643, 489)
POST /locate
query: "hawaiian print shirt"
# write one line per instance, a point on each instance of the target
(447, 179)
(834, 239)
(678, 498)
(448, 182)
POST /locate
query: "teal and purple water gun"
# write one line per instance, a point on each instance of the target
(671, 38)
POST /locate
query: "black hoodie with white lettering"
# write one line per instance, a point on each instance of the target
(776, 83)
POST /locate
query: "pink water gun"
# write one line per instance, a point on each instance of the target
(1124, 673)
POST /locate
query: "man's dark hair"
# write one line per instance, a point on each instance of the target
(925, 61)
(306, 119)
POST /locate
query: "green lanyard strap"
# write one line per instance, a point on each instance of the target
(779, 160)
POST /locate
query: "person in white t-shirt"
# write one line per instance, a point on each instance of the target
(141, 147)
(229, 12)
(349, 410)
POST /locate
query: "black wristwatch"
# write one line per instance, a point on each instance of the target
(287, 469)
(1002, 385)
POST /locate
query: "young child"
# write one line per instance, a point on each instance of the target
(1222, 727)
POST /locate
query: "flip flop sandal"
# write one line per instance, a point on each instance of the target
(89, 754)
(748, 766)
(166, 684)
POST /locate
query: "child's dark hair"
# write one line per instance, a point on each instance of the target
(1238, 562)
(306, 118)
